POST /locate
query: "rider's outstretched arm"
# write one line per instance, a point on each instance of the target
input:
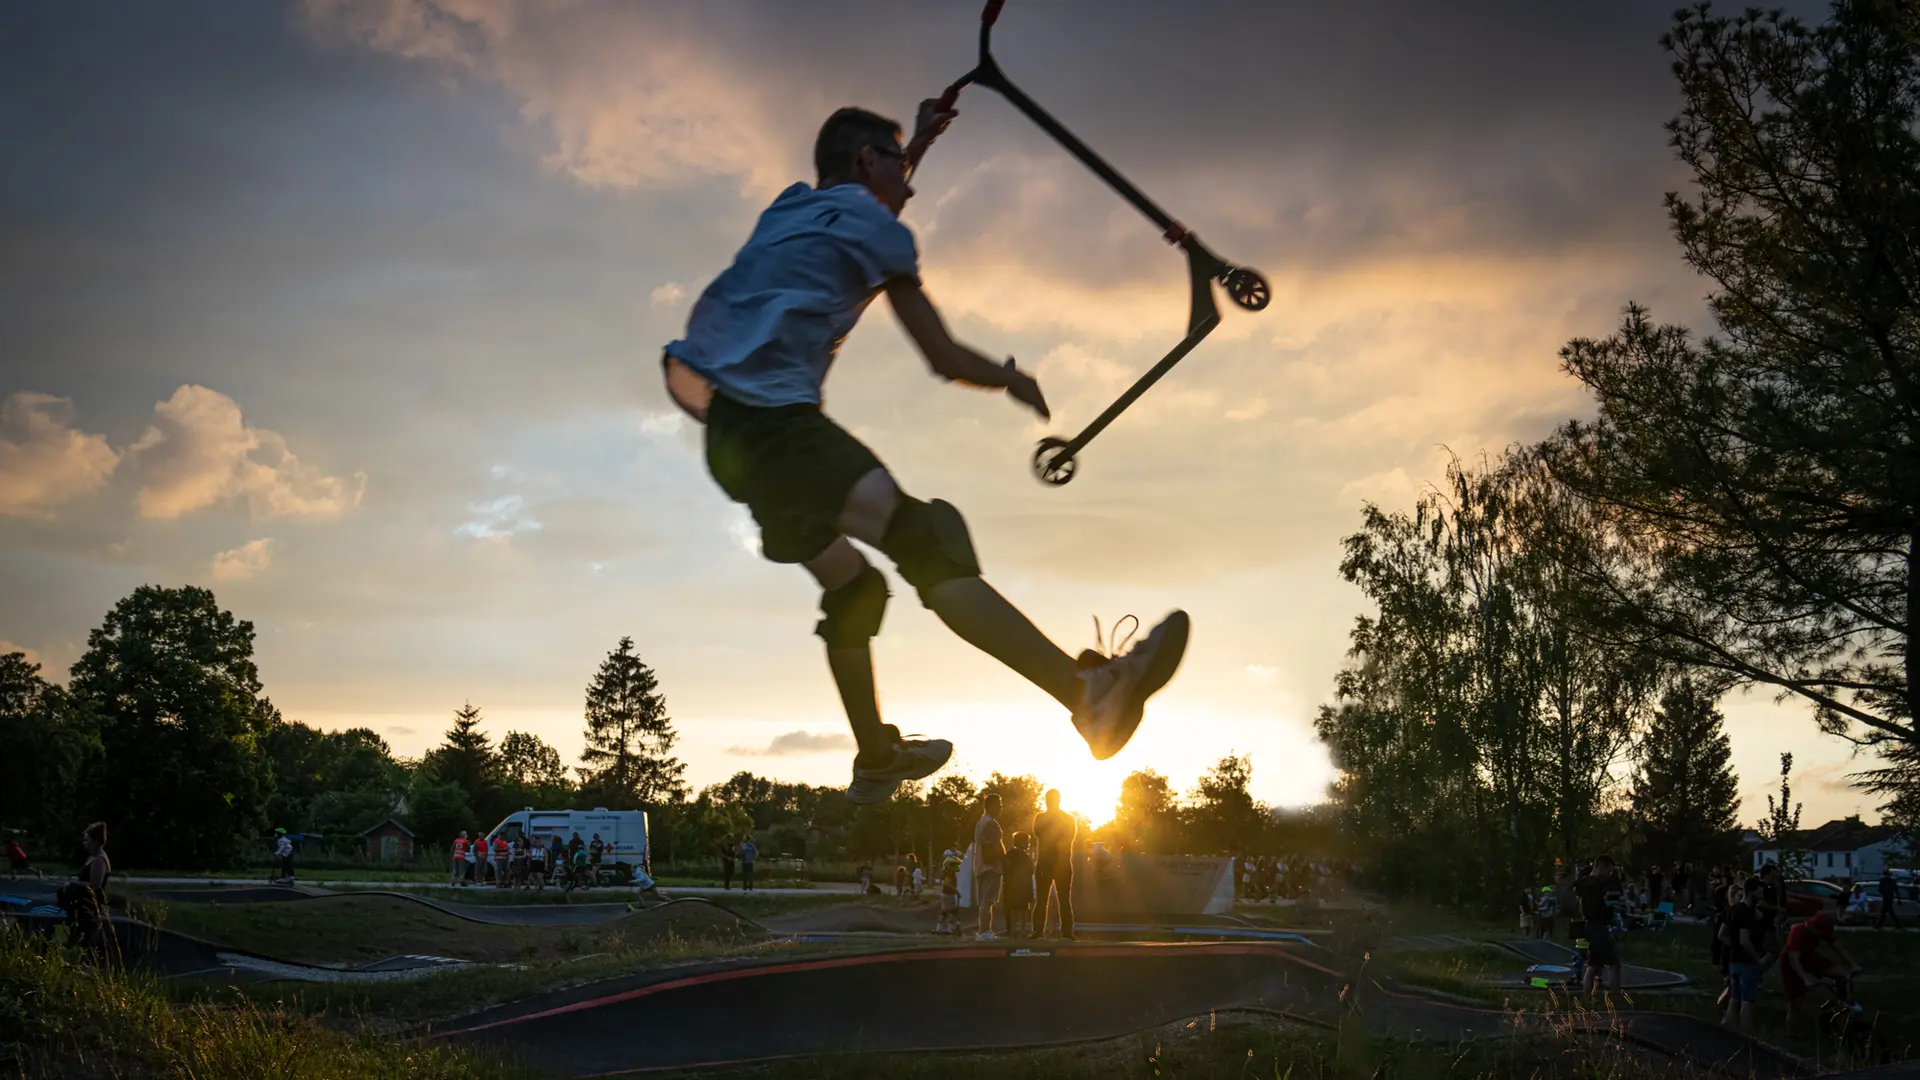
(948, 358)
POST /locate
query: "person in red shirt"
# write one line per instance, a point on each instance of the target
(459, 857)
(1801, 962)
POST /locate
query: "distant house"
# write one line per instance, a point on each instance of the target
(1845, 849)
(390, 841)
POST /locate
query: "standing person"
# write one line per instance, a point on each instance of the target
(1054, 832)
(989, 863)
(1019, 886)
(748, 852)
(758, 346)
(866, 877)
(17, 863)
(727, 854)
(1889, 899)
(1802, 963)
(1563, 900)
(948, 922)
(85, 897)
(1549, 910)
(283, 849)
(472, 861)
(502, 856)
(596, 853)
(900, 881)
(1771, 905)
(919, 876)
(1740, 942)
(1602, 951)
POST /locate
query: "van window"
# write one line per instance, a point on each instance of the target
(510, 832)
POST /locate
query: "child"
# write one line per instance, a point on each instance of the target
(757, 348)
(949, 923)
(1019, 886)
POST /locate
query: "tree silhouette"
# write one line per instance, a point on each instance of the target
(1685, 794)
(628, 758)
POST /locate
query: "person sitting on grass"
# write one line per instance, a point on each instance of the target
(1802, 964)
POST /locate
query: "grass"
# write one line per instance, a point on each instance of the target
(361, 929)
(62, 1018)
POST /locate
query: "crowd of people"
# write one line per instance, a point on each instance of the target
(515, 862)
(1271, 878)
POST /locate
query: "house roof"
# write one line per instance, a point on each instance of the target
(390, 821)
(1843, 834)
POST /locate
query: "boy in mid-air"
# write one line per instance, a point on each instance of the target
(758, 345)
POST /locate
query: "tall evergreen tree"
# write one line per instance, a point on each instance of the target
(181, 776)
(468, 761)
(1685, 794)
(628, 759)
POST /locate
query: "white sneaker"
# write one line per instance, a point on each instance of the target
(913, 759)
(1114, 691)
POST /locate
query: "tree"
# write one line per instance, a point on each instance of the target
(437, 810)
(1148, 817)
(1762, 483)
(1222, 816)
(952, 805)
(467, 760)
(628, 756)
(309, 763)
(1685, 794)
(527, 762)
(1780, 829)
(46, 743)
(180, 777)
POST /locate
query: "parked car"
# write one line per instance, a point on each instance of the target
(1807, 897)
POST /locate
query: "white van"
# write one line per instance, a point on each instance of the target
(624, 832)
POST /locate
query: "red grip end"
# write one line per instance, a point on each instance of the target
(992, 12)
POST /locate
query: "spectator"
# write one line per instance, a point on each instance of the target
(1548, 912)
(948, 923)
(748, 852)
(1529, 926)
(472, 867)
(1771, 905)
(900, 880)
(866, 878)
(1802, 963)
(919, 876)
(1739, 937)
(17, 860)
(1602, 953)
(283, 850)
(1054, 832)
(501, 855)
(1019, 886)
(989, 865)
(1563, 898)
(727, 854)
(596, 851)
(1889, 900)
(85, 897)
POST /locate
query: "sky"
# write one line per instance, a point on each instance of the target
(351, 310)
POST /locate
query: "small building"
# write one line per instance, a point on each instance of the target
(390, 841)
(1845, 849)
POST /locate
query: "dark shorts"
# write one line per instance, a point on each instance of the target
(791, 466)
(1601, 949)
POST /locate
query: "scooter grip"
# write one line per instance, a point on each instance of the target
(947, 99)
(992, 12)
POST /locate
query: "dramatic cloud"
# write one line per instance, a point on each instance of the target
(200, 452)
(625, 95)
(43, 460)
(243, 562)
(797, 743)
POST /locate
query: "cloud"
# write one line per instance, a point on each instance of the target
(43, 460)
(624, 96)
(669, 294)
(200, 452)
(32, 655)
(243, 562)
(496, 518)
(798, 743)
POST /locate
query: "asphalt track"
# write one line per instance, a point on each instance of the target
(505, 914)
(172, 955)
(1001, 997)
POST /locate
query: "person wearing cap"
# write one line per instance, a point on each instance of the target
(283, 847)
(1802, 963)
(949, 922)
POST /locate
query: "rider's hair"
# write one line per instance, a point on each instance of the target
(97, 832)
(847, 132)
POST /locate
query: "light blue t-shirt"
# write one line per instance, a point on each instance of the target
(766, 331)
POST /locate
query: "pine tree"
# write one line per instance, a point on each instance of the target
(1685, 794)
(628, 758)
(467, 759)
